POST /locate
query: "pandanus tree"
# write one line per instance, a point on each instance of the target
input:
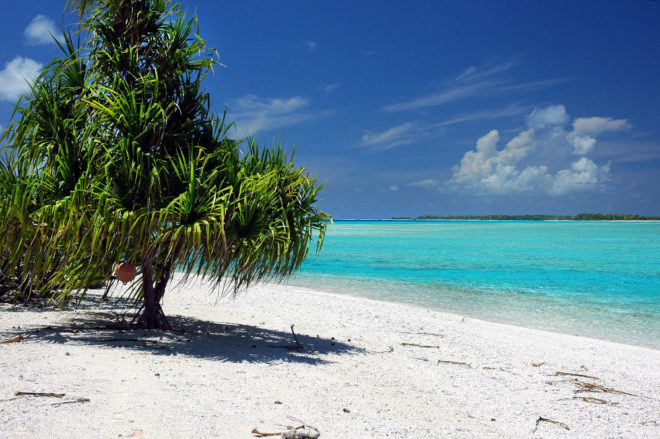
(117, 156)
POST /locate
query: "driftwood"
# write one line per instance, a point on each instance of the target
(419, 345)
(593, 400)
(575, 375)
(297, 347)
(16, 339)
(591, 387)
(434, 334)
(459, 363)
(542, 419)
(75, 401)
(301, 433)
(258, 433)
(50, 395)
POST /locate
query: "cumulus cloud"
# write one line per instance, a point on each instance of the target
(41, 30)
(552, 115)
(254, 114)
(15, 76)
(522, 164)
(593, 126)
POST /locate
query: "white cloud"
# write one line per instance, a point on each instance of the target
(511, 110)
(593, 126)
(253, 114)
(552, 115)
(482, 162)
(586, 128)
(394, 187)
(449, 94)
(584, 174)
(15, 76)
(398, 135)
(41, 30)
(474, 81)
(535, 160)
(330, 87)
(311, 45)
(582, 145)
(428, 183)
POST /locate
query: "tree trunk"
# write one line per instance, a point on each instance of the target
(153, 316)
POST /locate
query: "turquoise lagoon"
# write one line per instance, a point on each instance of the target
(595, 279)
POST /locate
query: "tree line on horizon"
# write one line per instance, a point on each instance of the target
(578, 217)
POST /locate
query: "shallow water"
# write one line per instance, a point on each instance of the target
(597, 279)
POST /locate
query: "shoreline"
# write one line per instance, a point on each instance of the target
(448, 313)
(399, 370)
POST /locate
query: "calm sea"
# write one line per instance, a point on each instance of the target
(597, 279)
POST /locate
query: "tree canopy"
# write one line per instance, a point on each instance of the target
(117, 155)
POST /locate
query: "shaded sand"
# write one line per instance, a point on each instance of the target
(227, 373)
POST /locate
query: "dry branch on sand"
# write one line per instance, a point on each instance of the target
(419, 345)
(16, 339)
(459, 363)
(542, 419)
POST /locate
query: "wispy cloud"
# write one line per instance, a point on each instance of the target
(42, 30)
(428, 183)
(329, 88)
(448, 94)
(310, 45)
(403, 134)
(253, 114)
(473, 82)
(15, 76)
(493, 114)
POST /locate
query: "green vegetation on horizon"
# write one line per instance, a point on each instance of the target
(578, 217)
(117, 156)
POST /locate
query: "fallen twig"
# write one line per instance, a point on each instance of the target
(419, 345)
(16, 339)
(538, 364)
(575, 375)
(593, 400)
(434, 334)
(591, 387)
(542, 419)
(50, 395)
(459, 363)
(75, 401)
(258, 433)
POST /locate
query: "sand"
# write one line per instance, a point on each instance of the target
(360, 374)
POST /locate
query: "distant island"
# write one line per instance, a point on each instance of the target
(578, 217)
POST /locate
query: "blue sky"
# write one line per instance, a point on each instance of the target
(428, 107)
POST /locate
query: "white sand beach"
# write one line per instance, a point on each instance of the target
(369, 369)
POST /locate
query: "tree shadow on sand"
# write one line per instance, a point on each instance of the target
(194, 338)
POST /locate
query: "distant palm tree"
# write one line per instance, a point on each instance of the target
(116, 156)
